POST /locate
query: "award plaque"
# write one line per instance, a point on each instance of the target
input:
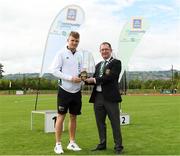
(84, 75)
(88, 65)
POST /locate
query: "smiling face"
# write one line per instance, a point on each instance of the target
(73, 43)
(105, 50)
(73, 40)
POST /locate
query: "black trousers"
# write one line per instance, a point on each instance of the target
(102, 108)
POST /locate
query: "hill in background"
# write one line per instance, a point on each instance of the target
(150, 75)
(131, 75)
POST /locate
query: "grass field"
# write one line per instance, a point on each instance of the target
(154, 127)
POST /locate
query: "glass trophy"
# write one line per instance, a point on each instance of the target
(88, 65)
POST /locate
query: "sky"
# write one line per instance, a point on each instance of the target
(24, 26)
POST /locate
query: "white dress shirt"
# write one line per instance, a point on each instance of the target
(99, 88)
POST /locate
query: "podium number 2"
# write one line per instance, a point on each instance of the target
(123, 121)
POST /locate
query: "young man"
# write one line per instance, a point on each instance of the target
(106, 96)
(67, 66)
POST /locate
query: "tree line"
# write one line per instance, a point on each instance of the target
(154, 84)
(28, 83)
(47, 84)
(170, 84)
(1, 70)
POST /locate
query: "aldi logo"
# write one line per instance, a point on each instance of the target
(137, 23)
(71, 14)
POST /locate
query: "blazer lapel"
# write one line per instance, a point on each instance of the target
(98, 69)
(110, 60)
(99, 66)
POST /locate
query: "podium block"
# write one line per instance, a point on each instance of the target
(124, 119)
(49, 119)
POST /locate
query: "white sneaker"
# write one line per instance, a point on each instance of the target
(73, 146)
(58, 149)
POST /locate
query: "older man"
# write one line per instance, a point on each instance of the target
(106, 97)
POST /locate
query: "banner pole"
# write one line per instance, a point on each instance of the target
(37, 93)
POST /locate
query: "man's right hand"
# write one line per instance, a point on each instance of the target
(76, 79)
(91, 80)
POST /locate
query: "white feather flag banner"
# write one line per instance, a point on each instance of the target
(70, 18)
(129, 39)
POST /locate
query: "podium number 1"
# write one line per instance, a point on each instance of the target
(54, 118)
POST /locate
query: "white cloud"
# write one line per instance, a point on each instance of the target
(156, 52)
(177, 3)
(25, 24)
(164, 8)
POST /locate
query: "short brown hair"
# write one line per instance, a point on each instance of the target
(107, 43)
(74, 34)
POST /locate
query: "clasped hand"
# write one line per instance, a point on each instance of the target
(76, 79)
(90, 80)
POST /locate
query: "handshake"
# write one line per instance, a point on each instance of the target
(83, 77)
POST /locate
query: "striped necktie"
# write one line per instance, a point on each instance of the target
(103, 64)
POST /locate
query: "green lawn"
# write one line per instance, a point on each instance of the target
(154, 127)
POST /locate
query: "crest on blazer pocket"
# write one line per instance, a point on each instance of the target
(107, 72)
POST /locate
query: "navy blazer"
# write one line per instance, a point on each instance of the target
(108, 81)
